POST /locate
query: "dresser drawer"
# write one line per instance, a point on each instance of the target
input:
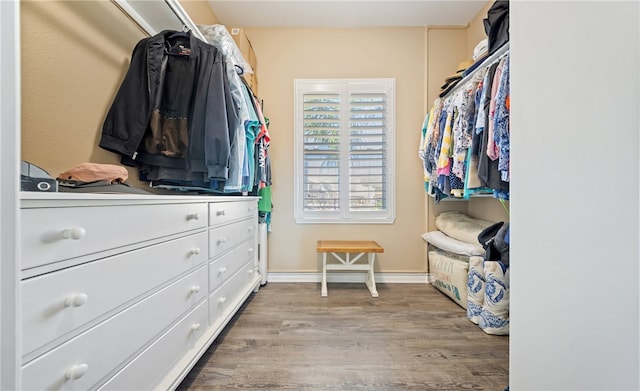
(146, 370)
(226, 237)
(57, 303)
(85, 360)
(221, 213)
(50, 235)
(228, 264)
(225, 299)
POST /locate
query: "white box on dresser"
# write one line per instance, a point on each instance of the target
(123, 291)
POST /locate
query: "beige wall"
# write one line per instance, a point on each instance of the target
(287, 54)
(74, 57)
(475, 32)
(75, 54)
(446, 48)
(199, 11)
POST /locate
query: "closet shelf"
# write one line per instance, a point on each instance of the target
(453, 199)
(489, 60)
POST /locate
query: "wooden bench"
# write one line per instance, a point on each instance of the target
(348, 247)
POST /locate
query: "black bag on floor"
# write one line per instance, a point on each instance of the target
(487, 238)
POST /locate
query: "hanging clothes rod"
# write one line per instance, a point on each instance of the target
(496, 56)
(154, 16)
(141, 13)
(134, 16)
(182, 15)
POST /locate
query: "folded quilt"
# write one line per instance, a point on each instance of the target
(461, 226)
(447, 243)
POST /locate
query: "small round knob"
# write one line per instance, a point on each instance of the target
(74, 233)
(221, 241)
(76, 371)
(195, 327)
(195, 289)
(195, 251)
(220, 213)
(193, 216)
(76, 300)
(222, 300)
(223, 270)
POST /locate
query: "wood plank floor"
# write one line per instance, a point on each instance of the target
(412, 337)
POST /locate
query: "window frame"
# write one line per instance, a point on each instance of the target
(344, 87)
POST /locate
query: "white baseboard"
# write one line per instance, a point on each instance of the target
(390, 278)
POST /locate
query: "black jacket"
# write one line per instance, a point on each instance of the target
(206, 116)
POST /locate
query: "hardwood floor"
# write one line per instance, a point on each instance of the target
(412, 337)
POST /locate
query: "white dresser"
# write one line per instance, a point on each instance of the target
(125, 292)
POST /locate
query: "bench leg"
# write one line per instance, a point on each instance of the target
(324, 274)
(371, 280)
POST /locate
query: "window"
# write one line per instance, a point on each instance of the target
(344, 151)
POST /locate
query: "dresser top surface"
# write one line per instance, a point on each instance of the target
(37, 199)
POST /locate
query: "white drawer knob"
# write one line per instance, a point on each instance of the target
(74, 233)
(219, 212)
(221, 241)
(250, 250)
(195, 251)
(195, 289)
(76, 372)
(223, 270)
(195, 327)
(222, 300)
(193, 216)
(76, 300)
(251, 229)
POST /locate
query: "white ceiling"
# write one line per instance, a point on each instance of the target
(345, 13)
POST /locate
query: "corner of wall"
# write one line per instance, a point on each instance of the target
(200, 12)
(475, 31)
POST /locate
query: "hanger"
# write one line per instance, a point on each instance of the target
(178, 48)
(184, 33)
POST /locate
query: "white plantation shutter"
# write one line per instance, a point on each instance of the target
(367, 151)
(344, 150)
(321, 152)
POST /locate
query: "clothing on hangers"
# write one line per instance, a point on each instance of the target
(173, 113)
(465, 136)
